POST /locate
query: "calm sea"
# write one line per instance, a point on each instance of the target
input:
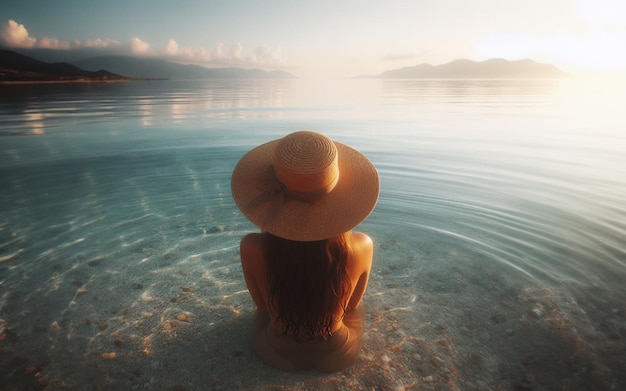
(502, 215)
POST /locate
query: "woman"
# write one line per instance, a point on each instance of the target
(307, 271)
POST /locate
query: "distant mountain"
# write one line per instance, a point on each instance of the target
(16, 67)
(162, 69)
(467, 69)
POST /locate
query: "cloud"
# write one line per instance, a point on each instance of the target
(15, 35)
(223, 55)
(266, 54)
(97, 43)
(179, 53)
(171, 49)
(53, 43)
(139, 47)
(236, 50)
(218, 52)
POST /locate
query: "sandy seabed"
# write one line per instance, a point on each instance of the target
(177, 316)
(129, 282)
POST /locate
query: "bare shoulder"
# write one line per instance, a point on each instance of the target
(251, 241)
(251, 251)
(363, 248)
(359, 266)
(361, 242)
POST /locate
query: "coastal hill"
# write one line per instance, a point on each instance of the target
(466, 69)
(162, 69)
(19, 66)
(16, 67)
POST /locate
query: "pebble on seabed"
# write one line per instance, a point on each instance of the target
(108, 356)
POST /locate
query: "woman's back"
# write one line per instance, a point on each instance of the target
(277, 342)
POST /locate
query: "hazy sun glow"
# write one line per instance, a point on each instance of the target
(593, 46)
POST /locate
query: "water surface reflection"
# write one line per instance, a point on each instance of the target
(500, 255)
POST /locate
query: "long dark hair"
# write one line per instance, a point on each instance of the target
(307, 282)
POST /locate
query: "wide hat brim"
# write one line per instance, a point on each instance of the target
(351, 200)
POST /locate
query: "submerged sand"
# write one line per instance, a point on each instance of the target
(165, 313)
(126, 276)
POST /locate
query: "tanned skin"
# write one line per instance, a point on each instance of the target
(278, 349)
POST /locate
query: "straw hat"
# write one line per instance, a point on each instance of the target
(305, 187)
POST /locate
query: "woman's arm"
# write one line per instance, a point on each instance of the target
(253, 267)
(363, 252)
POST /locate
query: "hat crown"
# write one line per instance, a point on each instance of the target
(293, 188)
(306, 162)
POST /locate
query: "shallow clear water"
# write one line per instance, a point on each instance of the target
(500, 230)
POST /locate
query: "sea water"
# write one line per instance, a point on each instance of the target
(500, 232)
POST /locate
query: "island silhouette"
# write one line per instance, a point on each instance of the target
(494, 68)
(15, 67)
(18, 67)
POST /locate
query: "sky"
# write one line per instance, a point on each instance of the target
(328, 38)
